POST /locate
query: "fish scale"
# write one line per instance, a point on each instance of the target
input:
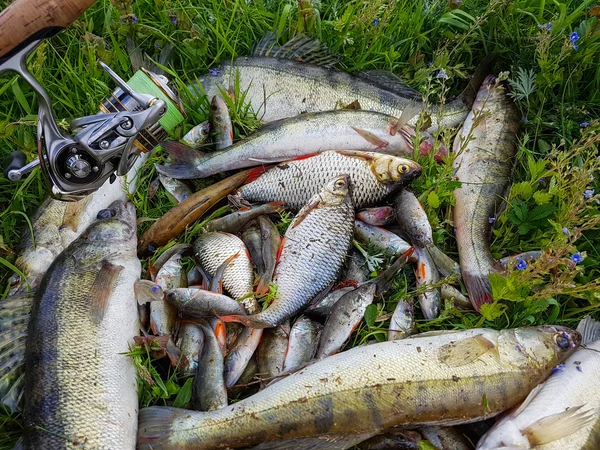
(214, 248)
(295, 182)
(368, 389)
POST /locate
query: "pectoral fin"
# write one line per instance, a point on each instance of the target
(557, 426)
(465, 351)
(102, 288)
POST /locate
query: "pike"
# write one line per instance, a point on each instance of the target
(441, 378)
(485, 148)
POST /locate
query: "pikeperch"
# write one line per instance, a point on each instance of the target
(311, 254)
(438, 378)
(375, 177)
(80, 386)
(563, 413)
(485, 149)
(305, 135)
(298, 77)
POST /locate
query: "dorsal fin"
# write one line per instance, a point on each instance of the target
(390, 82)
(300, 48)
(589, 329)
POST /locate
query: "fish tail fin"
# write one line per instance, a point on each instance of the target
(250, 321)
(589, 329)
(479, 289)
(154, 427)
(184, 161)
(262, 288)
(467, 96)
(255, 173)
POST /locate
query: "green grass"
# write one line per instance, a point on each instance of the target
(555, 87)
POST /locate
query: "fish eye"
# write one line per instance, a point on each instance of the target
(106, 214)
(340, 183)
(563, 341)
(403, 168)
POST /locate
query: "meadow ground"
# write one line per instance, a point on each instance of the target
(549, 49)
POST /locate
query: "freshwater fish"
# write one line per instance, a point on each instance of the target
(426, 274)
(242, 350)
(446, 438)
(378, 216)
(311, 254)
(220, 123)
(199, 302)
(348, 312)
(271, 241)
(324, 305)
(176, 188)
(441, 378)
(356, 267)
(163, 314)
(304, 135)
(380, 239)
(376, 176)
(270, 354)
(298, 77)
(80, 386)
(190, 341)
(209, 392)
(563, 413)
(483, 166)
(232, 223)
(198, 135)
(302, 344)
(214, 248)
(402, 322)
(176, 220)
(412, 219)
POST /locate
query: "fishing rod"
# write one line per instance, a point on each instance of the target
(137, 116)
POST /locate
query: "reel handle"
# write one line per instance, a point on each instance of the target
(15, 161)
(24, 21)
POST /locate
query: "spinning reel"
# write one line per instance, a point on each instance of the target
(104, 145)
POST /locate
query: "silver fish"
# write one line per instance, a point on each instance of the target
(378, 216)
(271, 242)
(178, 189)
(300, 136)
(485, 149)
(220, 123)
(198, 135)
(162, 314)
(323, 306)
(190, 340)
(296, 182)
(427, 274)
(312, 253)
(302, 344)
(412, 219)
(214, 248)
(199, 302)
(270, 354)
(402, 322)
(234, 222)
(209, 391)
(380, 239)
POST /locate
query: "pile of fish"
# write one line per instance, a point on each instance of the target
(261, 321)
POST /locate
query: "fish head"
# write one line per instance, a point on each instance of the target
(336, 191)
(115, 224)
(388, 168)
(543, 346)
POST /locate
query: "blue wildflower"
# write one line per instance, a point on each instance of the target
(579, 369)
(155, 288)
(549, 26)
(157, 45)
(576, 258)
(566, 231)
(491, 219)
(174, 19)
(584, 124)
(213, 72)
(542, 180)
(558, 368)
(574, 37)
(375, 22)
(524, 119)
(442, 74)
(134, 19)
(588, 193)
(522, 265)
(575, 47)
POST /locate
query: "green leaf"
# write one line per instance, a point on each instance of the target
(522, 190)
(541, 198)
(523, 229)
(371, 315)
(492, 311)
(426, 445)
(433, 200)
(185, 394)
(541, 212)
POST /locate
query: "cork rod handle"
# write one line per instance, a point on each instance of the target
(25, 20)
